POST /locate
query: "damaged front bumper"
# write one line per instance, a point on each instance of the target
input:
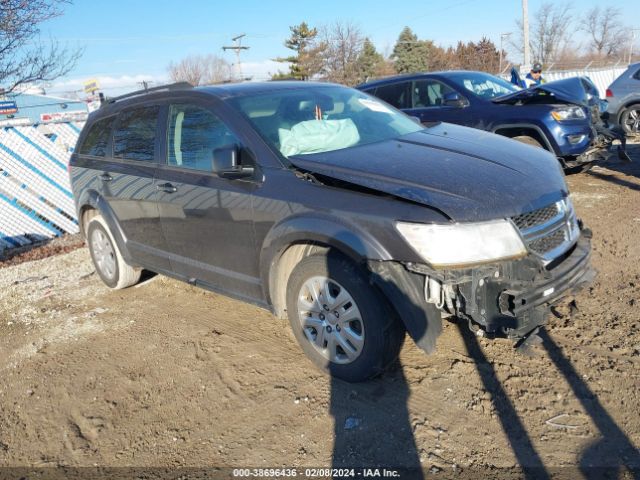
(608, 143)
(509, 299)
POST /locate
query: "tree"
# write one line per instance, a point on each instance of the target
(307, 61)
(23, 57)
(410, 54)
(370, 63)
(200, 70)
(606, 33)
(342, 47)
(549, 29)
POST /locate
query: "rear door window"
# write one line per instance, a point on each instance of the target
(429, 93)
(96, 141)
(135, 135)
(395, 94)
(193, 135)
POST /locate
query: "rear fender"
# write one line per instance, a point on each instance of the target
(93, 200)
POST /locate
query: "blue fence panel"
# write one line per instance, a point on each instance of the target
(35, 196)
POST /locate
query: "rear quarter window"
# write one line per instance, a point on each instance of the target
(96, 141)
(135, 135)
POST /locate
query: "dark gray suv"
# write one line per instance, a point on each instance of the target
(327, 206)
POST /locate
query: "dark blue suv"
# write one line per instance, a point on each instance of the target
(544, 117)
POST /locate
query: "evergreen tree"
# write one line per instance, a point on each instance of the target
(369, 61)
(307, 61)
(410, 54)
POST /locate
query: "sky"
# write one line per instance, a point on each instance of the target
(127, 41)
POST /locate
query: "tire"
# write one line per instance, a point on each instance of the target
(363, 339)
(106, 256)
(528, 140)
(630, 119)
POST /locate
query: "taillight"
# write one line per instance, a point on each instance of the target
(609, 93)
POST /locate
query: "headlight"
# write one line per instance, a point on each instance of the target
(463, 244)
(568, 113)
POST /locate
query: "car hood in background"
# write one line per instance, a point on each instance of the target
(468, 174)
(568, 90)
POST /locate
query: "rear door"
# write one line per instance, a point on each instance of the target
(428, 103)
(397, 94)
(206, 219)
(126, 182)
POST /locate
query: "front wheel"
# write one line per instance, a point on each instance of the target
(528, 140)
(342, 323)
(630, 119)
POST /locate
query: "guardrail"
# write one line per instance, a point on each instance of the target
(36, 202)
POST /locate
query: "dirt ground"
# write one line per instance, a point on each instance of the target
(167, 375)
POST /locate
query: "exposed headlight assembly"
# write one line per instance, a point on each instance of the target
(568, 113)
(463, 244)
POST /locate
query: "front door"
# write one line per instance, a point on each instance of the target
(206, 219)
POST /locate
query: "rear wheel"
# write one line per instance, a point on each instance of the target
(528, 140)
(342, 323)
(106, 256)
(630, 119)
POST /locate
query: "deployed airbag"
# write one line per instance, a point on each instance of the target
(315, 136)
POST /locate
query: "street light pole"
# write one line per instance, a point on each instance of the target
(502, 37)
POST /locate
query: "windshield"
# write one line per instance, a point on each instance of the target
(314, 120)
(484, 85)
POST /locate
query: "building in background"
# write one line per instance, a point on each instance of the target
(33, 106)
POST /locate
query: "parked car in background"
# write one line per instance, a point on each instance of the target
(623, 96)
(550, 115)
(327, 206)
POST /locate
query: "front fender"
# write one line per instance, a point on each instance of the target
(356, 244)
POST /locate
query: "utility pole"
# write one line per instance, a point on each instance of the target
(237, 47)
(525, 33)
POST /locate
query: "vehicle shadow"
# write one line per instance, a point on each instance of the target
(631, 169)
(372, 423)
(521, 444)
(614, 452)
(372, 426)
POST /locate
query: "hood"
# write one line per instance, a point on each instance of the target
(468, 174)
(569, 90)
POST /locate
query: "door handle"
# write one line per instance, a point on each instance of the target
(105, 177)
(166, 187)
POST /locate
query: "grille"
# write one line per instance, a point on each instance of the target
(549, 231)
(535, 218)
(549, 242)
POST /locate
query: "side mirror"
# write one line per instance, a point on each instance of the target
(226, 163)
(453, 99)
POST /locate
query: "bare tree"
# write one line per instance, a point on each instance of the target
(550, 27)
(200, 70)
(23, 57)
(605, 29)
(343, 43)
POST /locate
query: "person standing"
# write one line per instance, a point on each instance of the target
(534, 77)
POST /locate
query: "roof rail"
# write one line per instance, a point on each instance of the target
(169, 87)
